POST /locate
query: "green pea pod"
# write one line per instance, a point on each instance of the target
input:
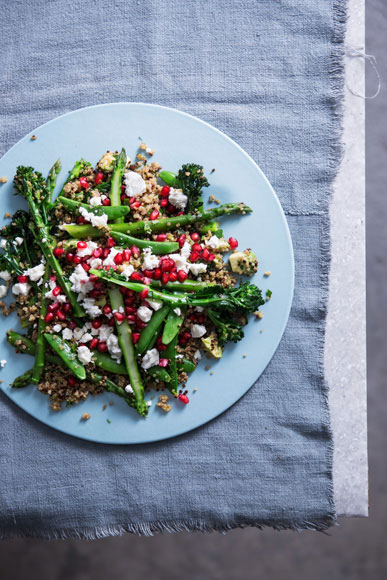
(113, 212)
(172, 326)
(158, 248)
(159, 373)
(169, 178)
(63, 349)
(151, 330)
(186, 365)
(170, 353)
(106, 363)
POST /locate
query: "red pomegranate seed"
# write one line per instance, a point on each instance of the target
(141, 325)
(136, 276)
(144, 293)
(110, 243)
(53, 307)
(84, 183)
(181, 239)
(182, 276)
(163, 202)
(69, 257)
(172, 276)
(107, 310)
(122, 198)
(135, 251)
(165, 191)
(72, 381)
(53, 277)
(111, 322)
(49, 316)
(126, 254)
(93, 278)
(97, 253)
(165, 277)
(161, 238)
(157, 274)
(233, 243)
(130, 310)
(94, 343)
(146, 280)
(102, 347)
(56, 291)
(129, 300)
(195, 237)
(22, 279)
(77, 260)
(71, 324)
(58, 252)
(186, 335)
(118, 259)
(98, 178)
(148, 273)
(135, 205)
(119, 316)
(81, 220)
(194, 256)
(163, 362)
(61, 315)
(96, 324)
(180, 213)
(154, 215)
(123, 290)
(211, 258)
(86, 267)
(66, 307)
(135, 337)
(183, 398)
(123, 188)
(183, 342)
(196, 248)
(200, 319)
(96, 293)
(106, 201)
(106, 252)
(81, 245)
(131, 318)
(171, 208)
(205, 254)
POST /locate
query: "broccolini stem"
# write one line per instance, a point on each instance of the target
(40, 342)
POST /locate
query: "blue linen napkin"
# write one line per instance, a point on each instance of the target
(270, 75)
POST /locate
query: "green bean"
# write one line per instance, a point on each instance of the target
(158, 248)
(172, 326)
(160, 374)
(151, 330)
(112, 212)
(63, 349)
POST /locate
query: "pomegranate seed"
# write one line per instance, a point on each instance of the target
(135, 205)
(201, 319)
(130, 310)
(118, 259)
(61, 315)
(123, 290)
(135, 337)
(119, 316)
(211, 257)
(233, 243)
(123, 188)
(141, 325)
(172, 276)
(102, 347)
(110, 243)
(81, 245)
(131, 318)
(98, 178)
(186, 335)
(97, 253)
(195, 237)
(197, 248)
(81, 220)
(163, 202)
(106, 252)
(86, 267)
(122, 198)
(135, 251)
(183, 398)
(126, 254)
(95, 293)
(94, 343)
(183, 342)
(96, 324)
(56, 291)
(194, 256)
(72, 381)
(163, 362)
(157, 274)
(129, 300)
(180, 213)
(205, 254)
(161, 238)
(162, 346)
(106, 201)
(144, 293)
(154, 215)
(181, 239)
(53, 277)
(66, 307)
(107, 310)
(77, 260)
(93, 278)
(58, 252)
(165, 277)
(53, 307)
(111, 322)
(69, 257)
(171, 208)
(84, 183)
(49, 316)
(165, 191)
(148, 273)
(71, 324)
(22, 279)
(136, 276)
(182, 276)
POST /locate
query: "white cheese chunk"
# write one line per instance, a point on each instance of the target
(198, 330)
(84, 354)
(3, 291)
(134, 184)
(154, 304)
(4, 275)
(67, 334)
(35, 273)
(150, 261)
(21, 288)
(150, 359)
(98, 221)
(177, 198)
(197, 269)
(144, 313)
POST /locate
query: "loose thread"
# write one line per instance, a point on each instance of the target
(352, 52)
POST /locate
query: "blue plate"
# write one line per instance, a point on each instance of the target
(177, 138)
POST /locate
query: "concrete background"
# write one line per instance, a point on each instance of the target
(354, 550)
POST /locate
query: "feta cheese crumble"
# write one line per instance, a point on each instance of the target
(177, 198)
(3, 243)
(155, 304)
(95, 200)
(129, 389)
(98, 221)
(91, 246)
(150, 261)
(114, 347)
(144, 313)
(198, 330)
(127, 271)
(150, 359)
(3, 363)
(57, 328)
(197, 269)
(67, 334)
(134, 184)
(84, 354)
(91, 308)
(180, 262)
(35, 273)
(3, 291)
(21, 288)
(80, 281)
(19, 240)
(4, 275)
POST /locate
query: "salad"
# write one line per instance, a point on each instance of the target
(121, 283)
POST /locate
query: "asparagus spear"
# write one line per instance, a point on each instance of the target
(158, 248)
(118, 172)
(23, 380)
(51, 180)
(40, 342)
(125, 340)
(160, 225)
(74, 173)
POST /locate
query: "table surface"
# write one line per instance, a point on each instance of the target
(345, 349)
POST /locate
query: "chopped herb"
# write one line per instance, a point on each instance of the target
(108, 421)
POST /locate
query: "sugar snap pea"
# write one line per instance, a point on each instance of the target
(170, 353)
(158, 248)
(160, 374)
(152, 329)
(172, 325)
(169, 178)
(186, 365)
(113, 212)
(63, 349)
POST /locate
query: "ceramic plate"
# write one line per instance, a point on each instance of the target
(177, 138)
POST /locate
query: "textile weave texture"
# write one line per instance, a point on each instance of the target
(270, 75)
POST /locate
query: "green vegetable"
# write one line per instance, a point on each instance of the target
(160, 225)
(105, 362)
(169, 178)
(170, 353)
(118, 172)
(80, 167)
(125, 340)
(51, 180)
(190, 178)
(268, 294)
(160, 374)
(151, 330)
(14, 254)
(211, 346)
(112, 212)
(158, 248)
(63, 349)
(187, 286)
(244, 263)
(172, 326)
(186, 365)
(227, 328)
(40, 342)
(23, 380)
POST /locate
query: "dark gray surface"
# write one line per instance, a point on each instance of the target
(355, 550)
